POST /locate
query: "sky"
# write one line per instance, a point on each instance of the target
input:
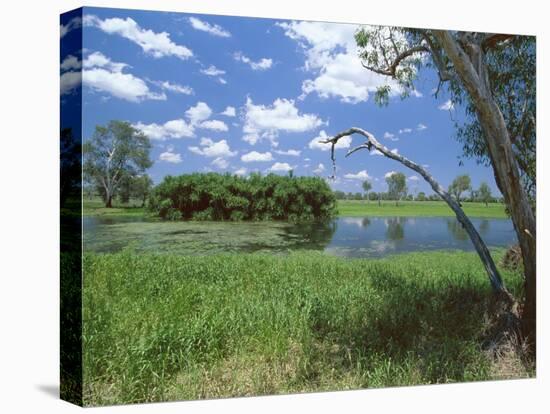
(239, 95)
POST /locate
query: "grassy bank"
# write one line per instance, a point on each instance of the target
(351, 208)
(161, 327)
(346, 208)
(96, 207)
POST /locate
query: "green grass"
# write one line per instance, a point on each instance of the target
(96, 207)
(346, 208)
(350, 208)
(162, 327)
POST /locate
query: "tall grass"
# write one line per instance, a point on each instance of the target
(160, 327)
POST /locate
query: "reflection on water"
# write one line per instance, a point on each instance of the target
(394, 228)
(344, 236)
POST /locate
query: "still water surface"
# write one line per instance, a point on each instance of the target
(344, 236)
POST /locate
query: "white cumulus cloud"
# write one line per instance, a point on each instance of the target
(211, 149)
(332, 58)
(155, 44)
(74, 23)
(315, 143)
(170, 156)
(229, 111)
(320, 168)
(220, 163)
(361, 175)
(214, 125)
(265, 121)
(175, 87)
(262, 64)
(290, 152)
(103, 75)
(70, 63)
(280, 167)
(213, 29)
(212, 71)
(198, 113)
(255, 156)
(177, 128)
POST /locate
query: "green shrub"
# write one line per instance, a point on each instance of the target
(215, 196)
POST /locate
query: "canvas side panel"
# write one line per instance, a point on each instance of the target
(71, 206)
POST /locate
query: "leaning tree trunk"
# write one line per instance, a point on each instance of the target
(468, 61)
(481, 249)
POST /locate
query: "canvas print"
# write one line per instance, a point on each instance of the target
(256, 206)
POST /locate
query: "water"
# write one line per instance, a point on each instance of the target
(344, 236)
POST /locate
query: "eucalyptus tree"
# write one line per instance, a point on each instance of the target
(484, 193)
(491, 76)
(459, 185)
(113, 154)
(367, 186)
(397, 186)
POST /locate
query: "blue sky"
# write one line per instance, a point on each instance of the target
(233, 94)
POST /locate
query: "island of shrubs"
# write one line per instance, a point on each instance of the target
(213, 196)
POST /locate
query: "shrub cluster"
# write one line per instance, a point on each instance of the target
(215, 196)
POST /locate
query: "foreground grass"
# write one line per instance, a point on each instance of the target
(160, 327)
(351, 208)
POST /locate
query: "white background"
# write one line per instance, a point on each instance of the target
(29, 264)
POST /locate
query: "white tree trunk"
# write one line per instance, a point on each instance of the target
(468, 61)
(481, 249)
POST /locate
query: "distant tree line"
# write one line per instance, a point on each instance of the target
(461, 189)
(212, 196)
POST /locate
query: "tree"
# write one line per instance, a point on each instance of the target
(114, 153)
(459, 185)
(367, 186)
(340, 195)
(70, 165)
(397, 186)
(372, 144)
(421, 196)
(493, 77)
(141, 188)
(484, 193)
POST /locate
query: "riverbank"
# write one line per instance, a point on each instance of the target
(358, 208)
(166, 327)
(96, 207)
(346, 208)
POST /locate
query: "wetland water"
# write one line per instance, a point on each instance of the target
(343, 236)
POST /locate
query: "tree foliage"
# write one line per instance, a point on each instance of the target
(400, 53)
(367, 186)
(492, 77)
(459, 185)
(115, 153)
(484, 193)
(70, 165)
(138, 187)
(215, 196)
(397, 186)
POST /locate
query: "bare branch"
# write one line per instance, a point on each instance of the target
(481, 248)
(390, 71)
